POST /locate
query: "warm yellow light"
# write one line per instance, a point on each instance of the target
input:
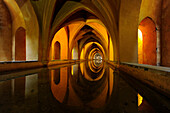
(72, 53)
(61, 37)
(82, 68)
(82, 54)
(100, 29)
(140, 99)
(84, 50)
(72, 71)
(111, 51)
(140, 47)
(140, 37)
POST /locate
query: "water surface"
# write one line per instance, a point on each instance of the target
(89, 87)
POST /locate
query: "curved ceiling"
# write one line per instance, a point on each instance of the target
(74, 16)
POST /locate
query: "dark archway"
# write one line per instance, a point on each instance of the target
(56, 50)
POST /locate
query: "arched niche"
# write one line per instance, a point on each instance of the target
(147, 42)
(56, 50)
(20, 44)
(61, 47)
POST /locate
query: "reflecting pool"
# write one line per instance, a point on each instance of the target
(88, 87)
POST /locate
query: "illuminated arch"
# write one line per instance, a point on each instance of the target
(147, 42)
(96, 24)
(78, 35)
(87, 46)
(60, 37)
(67, 12)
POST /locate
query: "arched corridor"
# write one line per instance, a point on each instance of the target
(129, 36)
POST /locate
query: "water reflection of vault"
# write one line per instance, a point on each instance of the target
(75, 89)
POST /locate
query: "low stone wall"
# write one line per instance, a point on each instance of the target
(14, 66)
(10, 70)
(154, 76)
(6, 67)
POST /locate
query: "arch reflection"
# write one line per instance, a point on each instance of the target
(84, 84)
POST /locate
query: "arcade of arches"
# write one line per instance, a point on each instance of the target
(51, 32)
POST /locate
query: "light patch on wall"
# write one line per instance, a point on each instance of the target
(140, 47)
(82, 54)
(73, 53)
(111, 50)
(147, 42)
(140, 35)
(72, 71)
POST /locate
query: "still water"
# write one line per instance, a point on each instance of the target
(88, 87)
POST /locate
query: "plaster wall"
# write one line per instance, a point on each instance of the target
(128, 24)
(152, 9)
(165, 33)
(5, 33)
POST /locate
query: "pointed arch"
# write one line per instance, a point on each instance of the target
(147, 42)
(57, 49)
(20, 44)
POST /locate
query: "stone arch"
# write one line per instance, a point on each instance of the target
(65, 13)
(147, 42)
